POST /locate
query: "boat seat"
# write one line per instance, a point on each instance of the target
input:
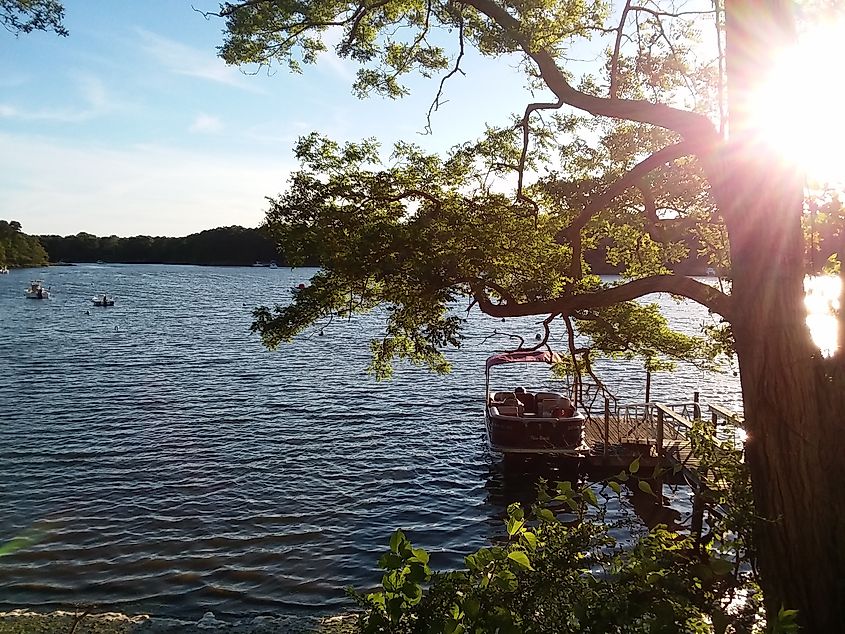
(506, 410)
(548, 405)
(501, 397)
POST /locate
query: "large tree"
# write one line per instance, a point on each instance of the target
(627, 146)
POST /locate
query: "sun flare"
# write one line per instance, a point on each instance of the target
(800, 106)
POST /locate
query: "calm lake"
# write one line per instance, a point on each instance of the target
(165, 462)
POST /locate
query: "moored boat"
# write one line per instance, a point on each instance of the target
(103, 300)
(36, 290)
(4, 270)
(525, 422)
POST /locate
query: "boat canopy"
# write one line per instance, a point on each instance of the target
(524, 356)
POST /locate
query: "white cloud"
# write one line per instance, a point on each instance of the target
(206, 124)
(182, 59)
(95, 102)
(62, 188)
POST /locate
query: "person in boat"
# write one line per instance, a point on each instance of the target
(512, 402)
(564, 409)
(526, 398)
(40, 293)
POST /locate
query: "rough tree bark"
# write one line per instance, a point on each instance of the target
(794, 399)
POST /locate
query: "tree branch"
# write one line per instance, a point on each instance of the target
(631, 178)
(687, 287)
(691, 125)
(435, 105)
(614, 61)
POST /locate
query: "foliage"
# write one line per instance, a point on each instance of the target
(551, 575)
(18, 249)
(25, 16)
(416, 235)
(221, 246)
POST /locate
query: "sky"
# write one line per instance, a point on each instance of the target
(132, 125)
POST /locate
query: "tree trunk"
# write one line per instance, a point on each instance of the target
(794, 399)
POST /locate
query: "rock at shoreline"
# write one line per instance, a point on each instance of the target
(81, 622)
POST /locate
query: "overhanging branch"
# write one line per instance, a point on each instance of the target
(631, 178)
(691, 125)
(687, 287)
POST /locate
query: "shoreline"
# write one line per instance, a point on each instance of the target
(82, 621)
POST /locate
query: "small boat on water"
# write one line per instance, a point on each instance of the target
(524, 422)
(103, 300)
(298, 287)
(36, 290)
(4, 270)
(710, 272)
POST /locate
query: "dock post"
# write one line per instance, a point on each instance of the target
(660, 456)
(697, 409)
(697, 521)
(606, 423)
(648, 386)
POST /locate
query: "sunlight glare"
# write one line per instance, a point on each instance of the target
(821, 297)
(799, 105)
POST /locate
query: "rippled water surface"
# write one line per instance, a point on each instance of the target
(163, 461)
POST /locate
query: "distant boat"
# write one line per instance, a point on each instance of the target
(4, 270)
(103, 300)
(710, 272)
(37, 291)
(273, 265)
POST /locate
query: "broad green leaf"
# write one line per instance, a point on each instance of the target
(635, 465)
(520, 558)
(397, 540)
(617, 488)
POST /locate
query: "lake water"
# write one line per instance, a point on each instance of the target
(165, 462)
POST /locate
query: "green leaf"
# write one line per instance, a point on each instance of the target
(645, 487)
(530, 538)
(721, 566)
(520, 558)
(471, 607)
(546, 515)
(617, 488)
(421, 555)
(635, 465)
(590, 496)
(514, 525)
(397, 540)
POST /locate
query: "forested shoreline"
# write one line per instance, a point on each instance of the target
(17, 249)
(222, 246)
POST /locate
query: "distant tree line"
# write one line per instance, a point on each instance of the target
(18, 249)
(223, 246)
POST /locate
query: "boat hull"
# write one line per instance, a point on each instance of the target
(527, 435)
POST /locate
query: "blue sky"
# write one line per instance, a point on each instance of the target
(132, 125)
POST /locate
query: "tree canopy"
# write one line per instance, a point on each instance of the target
(659, 144)
(18, 249)
(26, 16)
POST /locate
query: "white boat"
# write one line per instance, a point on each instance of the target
(710, 272)
(4, 270)
(37, 291)
(103, 300)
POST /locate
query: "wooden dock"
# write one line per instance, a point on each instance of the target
(657, 435)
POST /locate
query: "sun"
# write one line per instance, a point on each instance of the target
(800, 106)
